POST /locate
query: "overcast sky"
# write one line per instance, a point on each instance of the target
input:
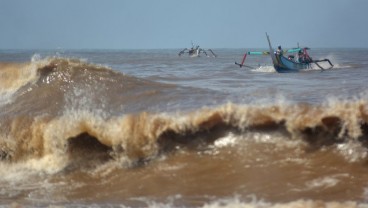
(146, 24)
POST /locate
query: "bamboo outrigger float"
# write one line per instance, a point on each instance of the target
(290, 63)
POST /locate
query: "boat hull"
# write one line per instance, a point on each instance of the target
(284, 65)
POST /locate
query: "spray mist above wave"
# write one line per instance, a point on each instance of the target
(13, 76)
(54, 84)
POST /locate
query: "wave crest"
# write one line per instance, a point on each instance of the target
(144, 136)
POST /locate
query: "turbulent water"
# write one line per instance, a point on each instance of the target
(147, 128)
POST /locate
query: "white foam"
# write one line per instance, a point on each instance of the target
(292, 204)
(22, 171)
(36, 58)
(352, 151)
(268, 69)
(325, 182)
(6, 98)
(229, 140)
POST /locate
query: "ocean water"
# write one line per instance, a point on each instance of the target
(147, 128)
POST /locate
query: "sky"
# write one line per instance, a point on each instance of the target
(160, 24)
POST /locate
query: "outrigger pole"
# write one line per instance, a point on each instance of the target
(242, 63)
(316, 62)
(210, 50)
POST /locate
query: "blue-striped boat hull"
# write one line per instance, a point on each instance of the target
(282, 65)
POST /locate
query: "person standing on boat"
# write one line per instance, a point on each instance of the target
(303, 56)
(300, 57)
(279, 50)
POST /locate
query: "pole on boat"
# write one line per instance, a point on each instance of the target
(242, 63)
(272, 54)
(327, 60)
(210, 50)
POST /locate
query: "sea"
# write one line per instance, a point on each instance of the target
(149, 128)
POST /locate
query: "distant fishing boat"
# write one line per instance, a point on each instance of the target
(291, 63)
(195, 51)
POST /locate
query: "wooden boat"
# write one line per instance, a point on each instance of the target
(283, 64)
(288, 64)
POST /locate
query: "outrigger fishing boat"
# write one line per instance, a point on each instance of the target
(195, 51)
(291, 63)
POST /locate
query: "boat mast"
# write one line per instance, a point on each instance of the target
(272, 54)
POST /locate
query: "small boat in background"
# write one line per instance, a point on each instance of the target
(195, 51)
(291, 63)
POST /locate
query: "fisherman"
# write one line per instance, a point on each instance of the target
(191, 51)
(300, 57)
(303, 56)
(307, 58)
(279, 51)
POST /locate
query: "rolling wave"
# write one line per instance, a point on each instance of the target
(144, 136)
